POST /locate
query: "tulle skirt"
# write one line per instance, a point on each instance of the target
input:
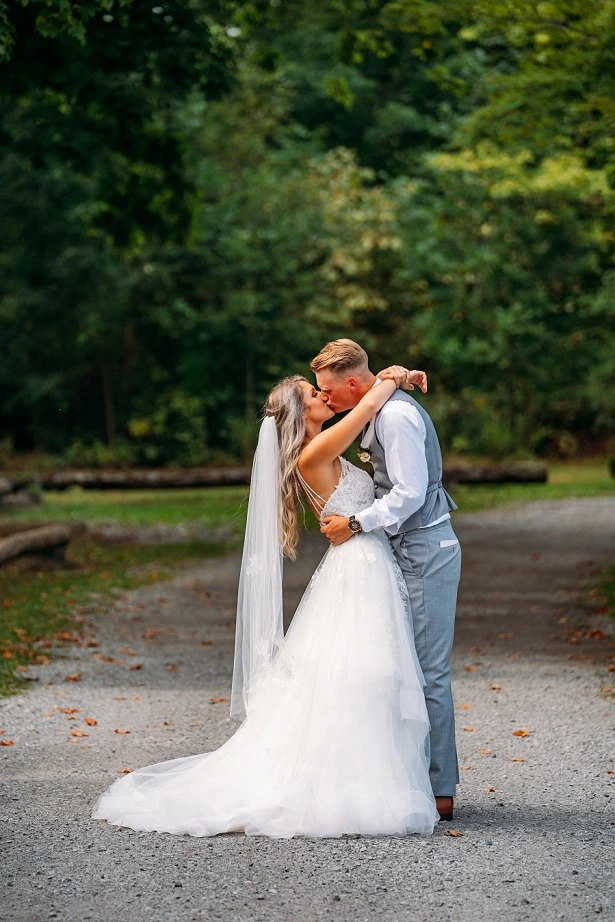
(337, 737)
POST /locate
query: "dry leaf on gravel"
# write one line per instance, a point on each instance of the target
(507, 636)
(611, 667)
(73, 678)
(124, 771)
(151, 633)
(6, 743)
(67, 710)
(171, 666)
(91, 721)
(454, 833)
(516, 760)
(521, 732)
(206, 643)
(490, 790)
(484, 752)
(466, 768)
(495, 687)
(121, 731)
(469, 668)
(217, 700)
(136, 666)
(470, 729)
(465, 707)
(610, 773)
(76, 732)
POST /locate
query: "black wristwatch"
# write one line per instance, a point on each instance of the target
(354, 525)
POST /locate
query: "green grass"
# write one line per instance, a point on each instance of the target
(602, 591)
(208, 506)
(214, 506)
(566, 481)
(36, 606)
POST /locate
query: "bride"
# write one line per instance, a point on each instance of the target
(334, 738)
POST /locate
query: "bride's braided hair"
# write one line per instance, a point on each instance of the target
(285, 403)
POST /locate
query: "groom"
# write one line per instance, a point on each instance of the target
(414, 509)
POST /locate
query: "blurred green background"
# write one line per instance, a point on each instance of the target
(197, 195)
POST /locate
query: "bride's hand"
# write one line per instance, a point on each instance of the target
(404, 378)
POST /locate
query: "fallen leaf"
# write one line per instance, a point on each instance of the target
(1, 732)
(171, 666)
(136, 666)
(76, 732)
(217, 700)
(141, 607)
(163, 598)
(484, 752)
(610, 773)
(465, 707)
(506, 636)
(124, 771)
(137, 697)
(121, 731)
(611, 667)
(466, 768)
(470, 729)
(67, 710)
(490, 790)
(127, 651)
(516, 760)
(40, 661)
(206, 643)
(606, 690)
(91, 721)
(469, 668)
(119, 699)
(7, 743)
(495, 687)
(73, 678)
(150, 633)
(597, 635)
(474, 649)
(454, 833)
(521, 732)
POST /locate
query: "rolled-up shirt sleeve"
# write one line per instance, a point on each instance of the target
(401, 431)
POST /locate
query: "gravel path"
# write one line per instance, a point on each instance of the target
(536, 811)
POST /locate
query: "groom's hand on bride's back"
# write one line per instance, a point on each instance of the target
(404, 378)
(335, 527)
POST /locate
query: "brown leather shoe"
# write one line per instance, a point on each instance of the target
(444, 806)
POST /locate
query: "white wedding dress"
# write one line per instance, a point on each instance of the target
(336, 740)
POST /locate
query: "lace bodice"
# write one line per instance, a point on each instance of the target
(354, 491)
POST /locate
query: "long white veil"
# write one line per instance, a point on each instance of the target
(260, 631)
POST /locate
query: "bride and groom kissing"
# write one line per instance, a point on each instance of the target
(347, 719)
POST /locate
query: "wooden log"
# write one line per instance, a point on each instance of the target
(8, 528)
(517, 472)
(45, 538)
(458, 472)
(141, 479)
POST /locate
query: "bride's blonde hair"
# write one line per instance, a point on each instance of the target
(286, 404)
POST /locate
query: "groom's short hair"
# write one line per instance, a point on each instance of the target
(341, 355)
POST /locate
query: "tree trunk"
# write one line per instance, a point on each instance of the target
(108, 402)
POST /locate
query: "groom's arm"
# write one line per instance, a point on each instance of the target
(402, 433)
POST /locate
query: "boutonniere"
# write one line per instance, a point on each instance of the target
(364, 454)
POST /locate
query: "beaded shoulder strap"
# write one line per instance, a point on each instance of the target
(311, 494)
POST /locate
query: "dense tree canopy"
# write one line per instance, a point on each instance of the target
(197, 195)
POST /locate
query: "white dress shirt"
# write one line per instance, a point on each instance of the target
(401, 431)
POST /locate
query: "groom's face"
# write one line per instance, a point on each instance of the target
(340, 392)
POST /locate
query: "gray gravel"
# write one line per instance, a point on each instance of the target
(538, 847)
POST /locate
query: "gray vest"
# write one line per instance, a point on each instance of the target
(437, 501)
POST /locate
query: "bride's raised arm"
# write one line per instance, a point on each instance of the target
(330, 443)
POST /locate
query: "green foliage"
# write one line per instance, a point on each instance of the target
(197, 195)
